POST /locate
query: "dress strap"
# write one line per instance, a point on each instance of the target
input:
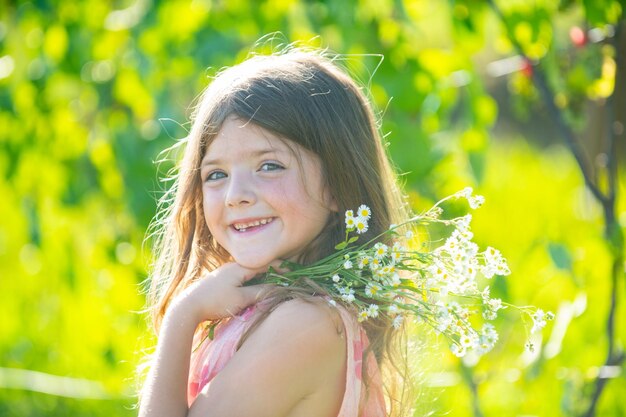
(212, 355)
(359, 400)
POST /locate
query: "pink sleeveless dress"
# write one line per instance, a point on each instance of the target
(211, 357)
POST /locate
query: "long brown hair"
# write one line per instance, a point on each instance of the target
(302, 97)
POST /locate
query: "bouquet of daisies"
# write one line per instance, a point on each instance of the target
(437, 286)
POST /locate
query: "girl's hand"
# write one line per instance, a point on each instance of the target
(221, 293)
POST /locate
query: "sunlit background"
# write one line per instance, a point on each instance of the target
(522, 100)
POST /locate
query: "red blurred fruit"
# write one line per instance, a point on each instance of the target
(578, 36)
(527, 69)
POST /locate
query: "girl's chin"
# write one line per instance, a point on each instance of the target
(253, 263)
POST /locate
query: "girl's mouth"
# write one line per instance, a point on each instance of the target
(247, 227)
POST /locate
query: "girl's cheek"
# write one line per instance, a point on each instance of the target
(280, 188)
(212, 207)
(211, 196)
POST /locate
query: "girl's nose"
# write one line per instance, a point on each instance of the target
(240, 191)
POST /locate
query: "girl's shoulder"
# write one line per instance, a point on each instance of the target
(312, 328)
(313, 313)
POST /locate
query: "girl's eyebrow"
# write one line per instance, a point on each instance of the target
(253, 154)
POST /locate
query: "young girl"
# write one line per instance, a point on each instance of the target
(280, 147)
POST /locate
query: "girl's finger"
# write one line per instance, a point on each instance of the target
(249, 274)
(254, 293)
(249, 278)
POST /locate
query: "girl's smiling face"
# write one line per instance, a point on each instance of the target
(261, 201)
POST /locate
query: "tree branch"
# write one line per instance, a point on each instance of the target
(612, 230)
(612, 130)
(468, 375)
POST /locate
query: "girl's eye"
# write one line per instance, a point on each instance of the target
(265, 167)
(271, 166)
(215, 175)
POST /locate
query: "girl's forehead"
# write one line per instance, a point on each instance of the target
(237, 136)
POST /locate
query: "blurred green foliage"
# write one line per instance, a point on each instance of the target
(91, 91)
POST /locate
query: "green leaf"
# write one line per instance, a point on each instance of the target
(212, 331)
(409, 286)
(353, 239)
(341, 245)
(560, 256)
(292, 266)
(210, 335)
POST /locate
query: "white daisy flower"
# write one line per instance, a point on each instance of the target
(395, 280)
(361, 225)
(388, 269)
(350, 219)
(374, 264)
(392, 310)
(364, 212)
(488, 271)
(397, 322)
(372, 310)
(363, 262)
(372, 289)
(380, 250)
(336, 278)
(363, 315)
(468, 340)
(492, 255)
(350, 222)
(539, 320)
(487, 339)
(463, 223)
(347, 264)
(396, 252)
(458, 350)
(502, 268)
(347, 294)
(465, 192)
(476, 202)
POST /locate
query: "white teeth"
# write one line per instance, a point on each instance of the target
(243, 226)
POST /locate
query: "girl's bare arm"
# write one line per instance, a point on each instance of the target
(165, 390)
(218, 295)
